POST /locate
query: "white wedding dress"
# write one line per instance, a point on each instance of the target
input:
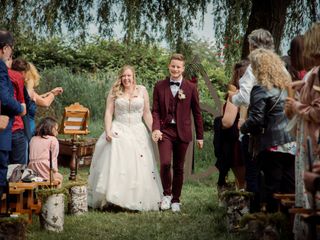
(124, 172)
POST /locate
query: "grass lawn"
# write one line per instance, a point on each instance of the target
(200, 218)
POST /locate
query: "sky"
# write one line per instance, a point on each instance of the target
(205, 32)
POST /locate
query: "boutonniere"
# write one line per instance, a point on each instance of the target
(181, 94)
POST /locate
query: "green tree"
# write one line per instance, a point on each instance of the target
(150, 21)
(237, 19)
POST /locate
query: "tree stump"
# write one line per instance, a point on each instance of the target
(52, 213)
(78, 200)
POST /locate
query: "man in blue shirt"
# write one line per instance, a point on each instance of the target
(9, 106)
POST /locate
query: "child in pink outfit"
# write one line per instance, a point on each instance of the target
(40, 146)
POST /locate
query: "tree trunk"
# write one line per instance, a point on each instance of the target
(269, 15)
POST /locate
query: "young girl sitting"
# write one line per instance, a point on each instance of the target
(42, 145)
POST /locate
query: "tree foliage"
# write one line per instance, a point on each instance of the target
(142, 20)
(86, 71)
(236, 19)
(153, 21)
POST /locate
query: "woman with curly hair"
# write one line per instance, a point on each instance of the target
(123, 170)
(273, 147)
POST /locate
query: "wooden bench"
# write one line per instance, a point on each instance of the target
(28, 204)
(23, 199)
(31, 202)
(285, 199)
(16, 202)
(46, 184)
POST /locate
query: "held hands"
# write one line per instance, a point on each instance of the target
(200, 144)
(156, 135)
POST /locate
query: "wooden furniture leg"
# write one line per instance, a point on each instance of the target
(73, 162)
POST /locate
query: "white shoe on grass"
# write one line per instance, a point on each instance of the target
(175, 207)
(166, 202)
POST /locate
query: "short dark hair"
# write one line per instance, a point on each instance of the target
(20, 65)
(6, 38)
(45, 127)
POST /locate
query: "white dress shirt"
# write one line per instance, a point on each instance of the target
(175, 88)
(246, 83)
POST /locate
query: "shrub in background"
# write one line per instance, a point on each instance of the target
(86, 70)
(88, 89)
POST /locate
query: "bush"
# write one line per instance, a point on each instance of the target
(87, 70)
(89, 90)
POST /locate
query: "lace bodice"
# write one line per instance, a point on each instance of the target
(129, 111)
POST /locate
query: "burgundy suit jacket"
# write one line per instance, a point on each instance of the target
(161, 98)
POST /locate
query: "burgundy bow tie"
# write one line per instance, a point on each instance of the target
(175, 83)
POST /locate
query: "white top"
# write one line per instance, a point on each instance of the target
(246, 83)
(175, 88)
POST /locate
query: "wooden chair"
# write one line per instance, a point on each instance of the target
(75, 122)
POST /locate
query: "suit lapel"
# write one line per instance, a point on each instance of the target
(180, 101)
(167, 92)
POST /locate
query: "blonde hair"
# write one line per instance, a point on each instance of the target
(269, 69)
(311, 42)
(177, 56)
(32, 77)
(117, 88)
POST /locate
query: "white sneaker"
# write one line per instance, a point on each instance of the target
(175, 207)
(166, 202)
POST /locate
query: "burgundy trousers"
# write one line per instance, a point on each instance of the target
(172, 146)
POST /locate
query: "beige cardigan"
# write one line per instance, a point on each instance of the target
(309, 107)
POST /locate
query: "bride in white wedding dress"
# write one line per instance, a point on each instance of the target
(123, 169)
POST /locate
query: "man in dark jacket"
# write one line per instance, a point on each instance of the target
(9, 106)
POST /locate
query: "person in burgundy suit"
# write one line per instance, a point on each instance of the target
(174, 99)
